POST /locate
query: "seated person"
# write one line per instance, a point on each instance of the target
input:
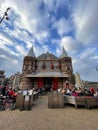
(82, 92)
(92, 90)
(74, 92)
(96, 93)
(63, 90)
(12, 93)
(68, 92)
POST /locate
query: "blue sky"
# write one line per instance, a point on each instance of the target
(49, 25)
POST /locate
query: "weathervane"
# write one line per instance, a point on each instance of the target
(5, 16)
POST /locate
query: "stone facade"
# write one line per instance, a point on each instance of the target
(46, 69)
(14, 81)
(79, 82)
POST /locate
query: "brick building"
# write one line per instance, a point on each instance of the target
(14, 81)
(46, 70)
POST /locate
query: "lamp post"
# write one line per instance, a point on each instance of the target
(5, 16)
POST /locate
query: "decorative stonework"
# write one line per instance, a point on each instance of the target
(46, 62)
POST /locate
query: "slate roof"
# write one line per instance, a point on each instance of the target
(31, 52)
(64, 53)
(47, 56)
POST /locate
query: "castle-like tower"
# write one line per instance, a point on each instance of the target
(78, 80)
(46, 70)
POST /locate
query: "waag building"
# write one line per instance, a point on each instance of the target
(46, 70)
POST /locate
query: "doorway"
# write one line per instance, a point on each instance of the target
(48, 84)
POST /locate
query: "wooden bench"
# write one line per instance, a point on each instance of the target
(87, 101)
(80, 101)
(91, 101)
(76, 101)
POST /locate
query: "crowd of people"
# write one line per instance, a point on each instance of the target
(68, 90)
(7, 98)
(10, 94)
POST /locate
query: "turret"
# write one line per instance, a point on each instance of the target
(28, 68)
(29, 62)
(66, 64)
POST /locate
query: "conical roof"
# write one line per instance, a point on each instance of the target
(64, 54)
(31, 52)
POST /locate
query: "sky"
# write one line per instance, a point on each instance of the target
(50, 25)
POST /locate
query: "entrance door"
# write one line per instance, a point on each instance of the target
(40, 83)
(55, 84)
(47, 84)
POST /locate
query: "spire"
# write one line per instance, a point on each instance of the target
(64, 54)
(31, 52)
(79, 82)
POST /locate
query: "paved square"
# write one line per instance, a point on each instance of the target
(42, 118)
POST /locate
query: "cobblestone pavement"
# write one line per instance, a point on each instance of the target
(42, 118)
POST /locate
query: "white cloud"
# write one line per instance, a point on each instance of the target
(63, 26)
(6, 50)
(95, 57)
(55, 41)
(38, 50)
(85, 64)
(9, 59)
(87, 53)
(58, 51)
(21, 50)
(11, 66)
(31, 22)
(29, 43)
(85, 18)
(42, 36)
(71, 45)
(35, 22)
(4, 56)
(46, 48)
(6, 40)
(54, 5)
